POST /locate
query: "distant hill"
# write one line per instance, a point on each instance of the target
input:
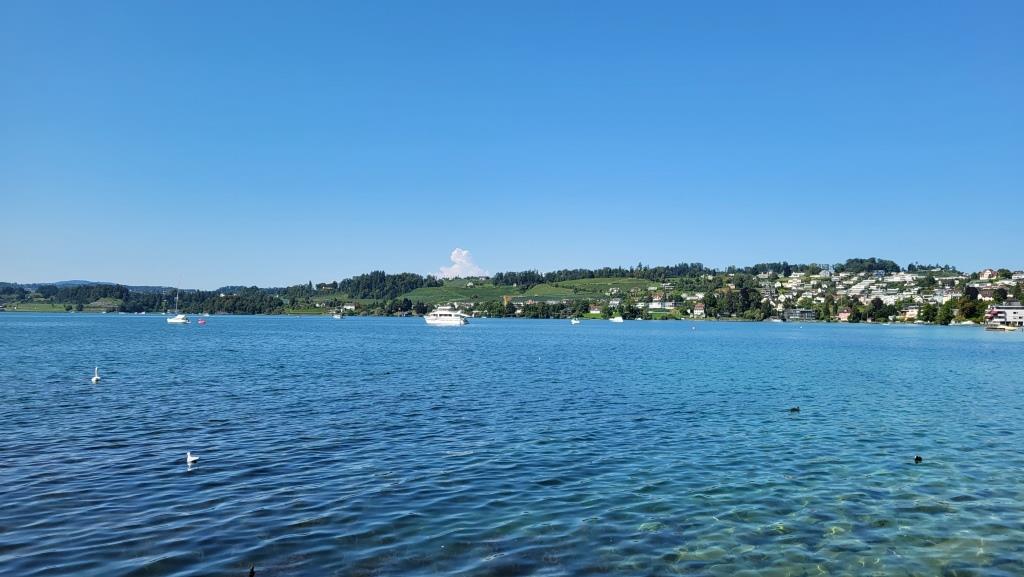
(77, 282)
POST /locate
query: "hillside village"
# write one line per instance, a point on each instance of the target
(824, 295)
(918, 294)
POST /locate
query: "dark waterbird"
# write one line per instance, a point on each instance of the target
(252, 570)
(917, 460)
(794, 409)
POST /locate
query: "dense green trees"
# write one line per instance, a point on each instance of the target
(529, 278)
(858, 265)
(380, 285)
(946, 313)
(928, 313)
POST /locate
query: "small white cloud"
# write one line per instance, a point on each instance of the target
(462, 265)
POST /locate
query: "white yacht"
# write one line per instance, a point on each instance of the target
(616, 319)
(446, 317)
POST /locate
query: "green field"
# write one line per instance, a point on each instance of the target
(584, 289)
(601, 285)
(35, 307)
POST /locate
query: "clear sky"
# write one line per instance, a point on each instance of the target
(210, 143)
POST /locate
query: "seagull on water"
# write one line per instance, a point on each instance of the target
(190, 458)
(95, 376)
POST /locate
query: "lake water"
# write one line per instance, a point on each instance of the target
(507, 447)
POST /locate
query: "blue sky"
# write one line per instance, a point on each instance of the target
(203, 144)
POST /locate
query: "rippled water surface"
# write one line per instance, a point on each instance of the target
(386, 447)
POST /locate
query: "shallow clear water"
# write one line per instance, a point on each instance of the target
(387, 447)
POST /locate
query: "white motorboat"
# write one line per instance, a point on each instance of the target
(446, 317)
(616, 319)
(574, 321)
(336, 316)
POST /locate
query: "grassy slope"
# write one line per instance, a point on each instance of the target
(35, 306)
(577, 289)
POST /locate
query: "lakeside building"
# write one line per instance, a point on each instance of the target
(698, 310)
(1010, 313)
(910, 313)
(800, 315)
(843, 316)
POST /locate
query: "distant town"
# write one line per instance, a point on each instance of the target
(858, 290)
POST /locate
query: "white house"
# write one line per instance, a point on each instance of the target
(1009, 313)
(910, 313)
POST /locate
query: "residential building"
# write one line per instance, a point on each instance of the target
(844, 315)
(1009, 313)
(988, 274)
(698, 310)
(986, 293)
(910, 313)
(801, 315)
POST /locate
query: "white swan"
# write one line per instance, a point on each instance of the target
(190, 458)
(95, 376)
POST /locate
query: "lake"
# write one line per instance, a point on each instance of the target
(370, 446)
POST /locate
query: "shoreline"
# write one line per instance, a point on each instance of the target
(661, 319)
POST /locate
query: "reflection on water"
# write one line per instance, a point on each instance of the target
(386, 447)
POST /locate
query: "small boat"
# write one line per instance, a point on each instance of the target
(445, 317)
(178, 318)
(202, 322)
(616, 319)
(336, 316)
(1002, 328)
(574, 321)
